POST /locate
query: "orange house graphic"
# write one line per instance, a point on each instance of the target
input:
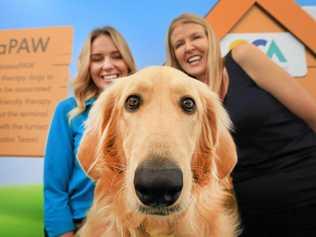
(260, 16)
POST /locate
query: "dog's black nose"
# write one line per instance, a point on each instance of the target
(158, 182)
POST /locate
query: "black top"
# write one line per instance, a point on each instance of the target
(268, 136)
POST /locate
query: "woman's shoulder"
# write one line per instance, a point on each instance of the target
(66, 105)
(252, 60)
(240, 56)
(244, 53)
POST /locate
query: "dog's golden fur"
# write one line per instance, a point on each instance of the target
(116, 141)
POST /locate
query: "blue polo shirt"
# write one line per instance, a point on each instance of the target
(68, 192)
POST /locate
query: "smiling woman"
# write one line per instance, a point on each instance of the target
(274, 122)
(107, 62)
(191, 38)
(68, 192)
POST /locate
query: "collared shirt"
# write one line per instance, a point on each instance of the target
(68, 192)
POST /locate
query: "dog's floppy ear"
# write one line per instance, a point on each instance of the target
(215, 130)
(96, 126)
(226, 155)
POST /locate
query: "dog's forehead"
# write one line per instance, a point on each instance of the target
(162, 78)
(162, 73)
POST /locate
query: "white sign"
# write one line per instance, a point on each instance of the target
(281, 47)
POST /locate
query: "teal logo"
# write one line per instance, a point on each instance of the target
(272, 49)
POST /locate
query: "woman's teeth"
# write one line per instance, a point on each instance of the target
(194, 59)
(110, 77)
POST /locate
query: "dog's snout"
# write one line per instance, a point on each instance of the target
(158, 183)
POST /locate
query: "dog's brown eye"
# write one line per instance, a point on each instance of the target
(132, 103)
(187, 104)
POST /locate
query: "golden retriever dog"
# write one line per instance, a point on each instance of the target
(157, 145)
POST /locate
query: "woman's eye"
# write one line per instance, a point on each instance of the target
(116, 56)
(132, 103)
(178, 45)
(196, 37)
(188, 105)
(96, 58)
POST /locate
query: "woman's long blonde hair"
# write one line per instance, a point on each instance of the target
(215, 62)
(84, 87)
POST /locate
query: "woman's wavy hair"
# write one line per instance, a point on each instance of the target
(84, 87)
(215, 62)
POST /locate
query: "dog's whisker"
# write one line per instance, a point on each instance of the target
(159, 211)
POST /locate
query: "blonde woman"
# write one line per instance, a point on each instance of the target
(68, 191)
(274, 128)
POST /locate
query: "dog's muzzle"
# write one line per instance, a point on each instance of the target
(158, 182)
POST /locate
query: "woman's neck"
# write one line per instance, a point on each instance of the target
(224, 84)
(204, 78)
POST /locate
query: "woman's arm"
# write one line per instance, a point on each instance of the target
(58, 165)
(272, 78)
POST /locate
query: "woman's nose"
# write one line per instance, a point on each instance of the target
(189, 46)
(107, 63)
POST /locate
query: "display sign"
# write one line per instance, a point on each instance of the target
(34, 75)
